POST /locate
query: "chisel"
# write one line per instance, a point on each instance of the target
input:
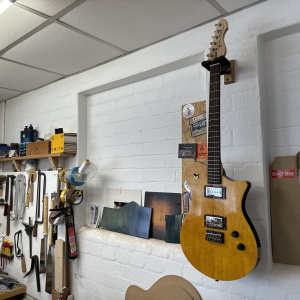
(50, 240)
(44, 240)
(48, 286)
(32, 176)
(27, 194)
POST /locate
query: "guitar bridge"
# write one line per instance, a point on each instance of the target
(215, 236)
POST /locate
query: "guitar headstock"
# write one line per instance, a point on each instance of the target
(218, 47)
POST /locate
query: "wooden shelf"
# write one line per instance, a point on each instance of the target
(53, 158)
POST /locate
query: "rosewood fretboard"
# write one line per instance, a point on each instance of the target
(214, 142)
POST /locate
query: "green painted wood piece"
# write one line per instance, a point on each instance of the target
(173, 228)
(131, 219)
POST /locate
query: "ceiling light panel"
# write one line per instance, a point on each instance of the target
(47, 7)
(61, 50)
(16, 22)
(132, 24)
(6, 94)
(231, 5)
(22, 78)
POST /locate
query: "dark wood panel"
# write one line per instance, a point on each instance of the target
(162, 204)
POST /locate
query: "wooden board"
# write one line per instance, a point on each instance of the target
(16, 290)
(60, 257)
(162, 204)
(130, 219)
(200, 108)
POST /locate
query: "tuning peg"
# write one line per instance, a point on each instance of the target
(216, 25)
(217, 31)
(208, 55)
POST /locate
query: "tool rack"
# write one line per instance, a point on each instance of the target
(53, 158)
(9, 257)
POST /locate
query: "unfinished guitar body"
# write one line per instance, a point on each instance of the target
(217, 236)
(168, 287)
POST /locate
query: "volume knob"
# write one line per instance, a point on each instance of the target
(234, 234)
(241, 247)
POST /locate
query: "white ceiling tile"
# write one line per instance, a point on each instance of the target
(21, 78)
(15, 22)
(231, 5)
(47, 7)
(61, 50)
(6, 94)
(132, 24)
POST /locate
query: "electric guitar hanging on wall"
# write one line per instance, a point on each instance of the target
(217, 236)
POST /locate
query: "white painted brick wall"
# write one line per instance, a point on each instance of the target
(244, 161)
(283, 78)
(42, 112)
(142, 115)
(128, 260)
(149, 145)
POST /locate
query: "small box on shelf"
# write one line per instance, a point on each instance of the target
(37, 148)
(64, 143)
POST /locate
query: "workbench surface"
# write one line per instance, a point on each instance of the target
(10, 294)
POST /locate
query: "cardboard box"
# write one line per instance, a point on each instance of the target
(285, 209)
(37, 148)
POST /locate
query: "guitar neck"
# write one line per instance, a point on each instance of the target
(214, 133)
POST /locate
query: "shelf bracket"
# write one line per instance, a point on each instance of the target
(54, 162)
(17, 164)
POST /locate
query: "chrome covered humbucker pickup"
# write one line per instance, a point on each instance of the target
(216, 192)
(213, 221)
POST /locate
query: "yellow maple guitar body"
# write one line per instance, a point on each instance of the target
(220, 261)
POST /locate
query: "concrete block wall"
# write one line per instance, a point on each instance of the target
(283, 79)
